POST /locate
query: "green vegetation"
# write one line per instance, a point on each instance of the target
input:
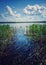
(6, 33)
(36, 31)
(38, 34)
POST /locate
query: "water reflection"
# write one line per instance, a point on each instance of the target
(23, 49)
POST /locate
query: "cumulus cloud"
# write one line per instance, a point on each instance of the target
(35, 10)
(11, 12)
(33, 13)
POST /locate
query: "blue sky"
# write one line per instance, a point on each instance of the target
(22, 10)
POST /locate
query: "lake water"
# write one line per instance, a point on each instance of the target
(21, 48)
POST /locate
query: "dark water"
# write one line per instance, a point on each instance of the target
(19, 50)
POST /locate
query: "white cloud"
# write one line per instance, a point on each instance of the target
(26, 18)
(30, 11)
(11, 12)
(3, 16)
(35, 9)
(17, 19)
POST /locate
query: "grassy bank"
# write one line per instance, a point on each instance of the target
(6, 33)
(38, 34)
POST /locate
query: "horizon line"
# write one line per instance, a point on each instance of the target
(26, 22)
